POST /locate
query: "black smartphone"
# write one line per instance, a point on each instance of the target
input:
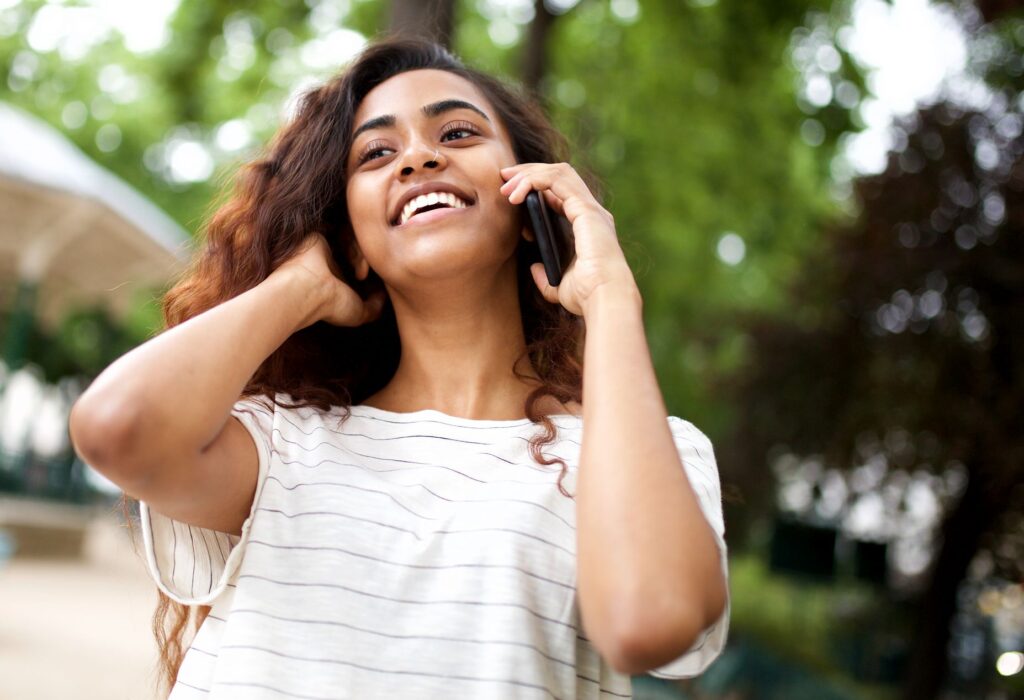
(553, 234)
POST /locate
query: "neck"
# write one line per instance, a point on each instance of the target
(458, 348)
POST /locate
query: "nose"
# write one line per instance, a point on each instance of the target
(420, 156)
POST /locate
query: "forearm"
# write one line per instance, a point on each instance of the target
(175, 392)
(648, 562)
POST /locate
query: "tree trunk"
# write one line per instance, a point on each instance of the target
(535, 51)
(428, 19)
(978, 510)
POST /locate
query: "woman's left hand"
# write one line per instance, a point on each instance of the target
(599, 260)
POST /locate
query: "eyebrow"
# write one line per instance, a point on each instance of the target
(433, 109)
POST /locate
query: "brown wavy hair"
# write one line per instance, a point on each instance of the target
(298, 186)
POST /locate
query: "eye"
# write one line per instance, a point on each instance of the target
(371, 150)
(461, 130)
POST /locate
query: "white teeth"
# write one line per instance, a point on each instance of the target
(426, 200)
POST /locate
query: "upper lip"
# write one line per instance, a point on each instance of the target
(426, 188)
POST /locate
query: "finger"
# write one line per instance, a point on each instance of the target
(512, 190)
(564, 182)
(554, 202)
(510, 185)
(511, 170)
(518, 194)
(550, 197)
(517, 171)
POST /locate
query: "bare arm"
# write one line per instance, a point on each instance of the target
(156, 421)
(649, 570)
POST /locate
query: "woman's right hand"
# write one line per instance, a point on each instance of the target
(339, 305)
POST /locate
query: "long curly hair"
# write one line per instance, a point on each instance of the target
(298, 186)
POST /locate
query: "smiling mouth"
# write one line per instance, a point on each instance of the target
(430, 202)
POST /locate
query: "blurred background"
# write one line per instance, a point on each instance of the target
(822, 203)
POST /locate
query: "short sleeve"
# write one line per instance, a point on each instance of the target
(698, 459)
(192, 565)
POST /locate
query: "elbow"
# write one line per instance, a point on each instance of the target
(102, 433)
(717, 602)
(649, 641)
(643, 647)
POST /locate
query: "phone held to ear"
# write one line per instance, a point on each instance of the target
(553, 235)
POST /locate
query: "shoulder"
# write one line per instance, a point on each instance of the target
(280, 413)
(682, 425)
(691, 438)
(574, 408)
(550, 405)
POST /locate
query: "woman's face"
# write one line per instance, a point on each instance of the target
(430, 130)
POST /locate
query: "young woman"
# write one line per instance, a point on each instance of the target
(337, 443)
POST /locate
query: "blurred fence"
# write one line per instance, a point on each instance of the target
(48, 496)
(36, 457)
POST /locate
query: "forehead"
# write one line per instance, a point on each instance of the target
(404, 94)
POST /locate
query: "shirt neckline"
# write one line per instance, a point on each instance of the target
(430, 413)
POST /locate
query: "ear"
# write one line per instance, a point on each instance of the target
(358, 260)
(526, 232)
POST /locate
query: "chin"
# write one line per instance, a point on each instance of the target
(448, 261)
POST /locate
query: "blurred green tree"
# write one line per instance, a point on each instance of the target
(691, 112)
(688, 111)
(912, 341)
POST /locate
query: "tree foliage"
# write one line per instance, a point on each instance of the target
(686, 110)
(690, 116)
(915, 348)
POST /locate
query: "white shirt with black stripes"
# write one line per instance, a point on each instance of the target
(402, 555)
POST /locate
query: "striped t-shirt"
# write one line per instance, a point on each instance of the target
(402, 555)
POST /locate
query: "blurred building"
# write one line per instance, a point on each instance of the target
(72, 235)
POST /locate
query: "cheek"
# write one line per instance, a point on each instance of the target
(506, 212)
(374, 248)
(363, 209)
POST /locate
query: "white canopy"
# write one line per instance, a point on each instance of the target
(74, 228)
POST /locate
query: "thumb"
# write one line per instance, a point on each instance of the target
(541, 279)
